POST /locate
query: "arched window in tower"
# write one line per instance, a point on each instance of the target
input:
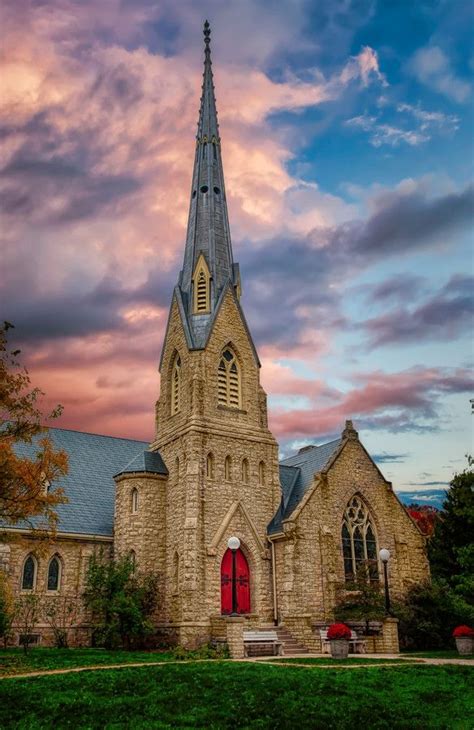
(228, 380)
(228, 469)
(202, 284)
(134, 501)
(175, 577)
(210, 466)
(176, 386)
(359, 545)
(261, 473)
(245, 471)
(28, 576)
(177, 466)
(132, 556)
(54, 574)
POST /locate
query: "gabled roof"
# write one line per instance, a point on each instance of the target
(296, 477)
(89, 484)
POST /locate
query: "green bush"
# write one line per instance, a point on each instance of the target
(207, 651)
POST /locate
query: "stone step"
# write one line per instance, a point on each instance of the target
(290, 644)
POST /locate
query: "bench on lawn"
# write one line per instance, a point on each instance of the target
(263, 638)
(356, 645)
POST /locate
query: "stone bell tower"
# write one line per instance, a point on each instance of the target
(211, 417)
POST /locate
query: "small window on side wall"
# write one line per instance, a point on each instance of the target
(54, 574)
(210, 466)
(228, 469)
(245, 471)
(28, 577)
(134, 501)
(261, 473)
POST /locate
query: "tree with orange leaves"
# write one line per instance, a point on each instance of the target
(25, 483)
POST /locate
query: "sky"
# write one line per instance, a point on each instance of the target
(346, 130)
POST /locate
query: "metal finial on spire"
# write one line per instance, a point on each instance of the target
(207, 33)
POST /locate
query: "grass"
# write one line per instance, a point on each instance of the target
(329, 661)
(15, 661)
(437, 654)
(220, 695)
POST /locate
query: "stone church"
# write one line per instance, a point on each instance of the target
(212, 473)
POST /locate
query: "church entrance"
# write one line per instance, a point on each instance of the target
(235, 583)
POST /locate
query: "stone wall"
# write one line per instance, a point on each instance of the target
(74, 554)
(309, 554)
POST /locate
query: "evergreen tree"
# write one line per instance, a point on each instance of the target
(451, 549)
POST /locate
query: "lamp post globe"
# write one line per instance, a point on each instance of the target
(384, 555)
(233, 543)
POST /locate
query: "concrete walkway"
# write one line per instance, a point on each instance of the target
(268, 660)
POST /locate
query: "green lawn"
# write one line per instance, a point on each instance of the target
(224, 695)
(14, 661)
(437, 654)
(325, 661)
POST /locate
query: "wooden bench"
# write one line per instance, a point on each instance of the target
(263, 638)
(356, 645)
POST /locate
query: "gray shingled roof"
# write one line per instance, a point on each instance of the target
(149, 461)
(296, 476)
(89, 484)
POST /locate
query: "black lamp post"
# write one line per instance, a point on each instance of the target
(384, 556)
(233, 544)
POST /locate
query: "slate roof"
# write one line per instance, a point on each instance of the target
(296, 476)
(89, 484)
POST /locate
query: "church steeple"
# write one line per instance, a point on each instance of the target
(208, 252)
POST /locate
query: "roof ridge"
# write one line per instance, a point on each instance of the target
(100, 435)
(314, 446)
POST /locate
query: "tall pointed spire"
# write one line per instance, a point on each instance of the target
(208, 234)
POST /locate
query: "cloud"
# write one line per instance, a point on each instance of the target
(431, 66)
(401, 287)
(407, 401)
(385, 458)
(444, 316)
(428, 124)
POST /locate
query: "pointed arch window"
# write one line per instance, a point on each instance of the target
(28, 577)
(132, 556)
(359, 545)
(175, 587)
(202, 282)
(134, 501)
(176, 386)
(54, 574)
(228, 380)
(261, 473)
(210, 466)
(228, 469)
(245, 471)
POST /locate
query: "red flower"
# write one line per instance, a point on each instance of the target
(463, 631)
(339, 631)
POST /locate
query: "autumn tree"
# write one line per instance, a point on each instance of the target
(29, 463)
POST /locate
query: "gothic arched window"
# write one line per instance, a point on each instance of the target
(176, 386)
(261, 473)
(28, 578)
(245, 471)
(359, 546)
(54, 574)
(210, 466)
(132, 556)
(228, 380)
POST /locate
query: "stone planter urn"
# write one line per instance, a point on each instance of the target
(339, 648)
(464, 645)
(338, 636)
(464, 638)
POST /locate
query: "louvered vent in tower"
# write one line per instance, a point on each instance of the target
(176, 387)
(228, 380)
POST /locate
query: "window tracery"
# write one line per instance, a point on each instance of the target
(359, 545)
(228, 380)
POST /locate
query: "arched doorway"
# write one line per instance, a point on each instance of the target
(235, 583)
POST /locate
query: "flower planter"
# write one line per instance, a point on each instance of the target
(339, 648)
(464, 645)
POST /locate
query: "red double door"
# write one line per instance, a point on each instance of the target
(235, 583)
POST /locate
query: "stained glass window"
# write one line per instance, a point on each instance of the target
(54, 571)
(359, 546)
(29, 574)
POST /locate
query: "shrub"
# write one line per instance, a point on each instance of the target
(339, 631)
(120, 602)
